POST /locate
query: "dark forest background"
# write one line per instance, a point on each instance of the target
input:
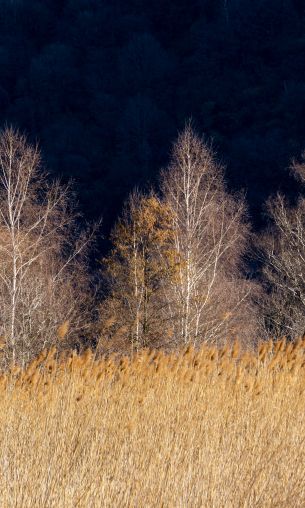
(104, 86)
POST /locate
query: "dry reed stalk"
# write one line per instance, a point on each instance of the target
(156, 430)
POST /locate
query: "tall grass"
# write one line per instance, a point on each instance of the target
(208, 428)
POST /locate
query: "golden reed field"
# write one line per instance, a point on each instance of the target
(200, 428)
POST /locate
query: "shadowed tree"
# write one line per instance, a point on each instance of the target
(282, 250)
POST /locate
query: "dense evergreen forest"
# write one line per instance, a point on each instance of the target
(106, 86)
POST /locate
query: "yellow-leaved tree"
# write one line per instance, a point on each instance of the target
(142, 262)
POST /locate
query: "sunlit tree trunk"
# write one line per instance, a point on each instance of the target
(210, 236)
(36, 248)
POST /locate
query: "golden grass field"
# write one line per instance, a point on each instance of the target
(208, 428)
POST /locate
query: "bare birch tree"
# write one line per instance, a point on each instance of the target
(282, 250)
(41, 268)
(212, 298)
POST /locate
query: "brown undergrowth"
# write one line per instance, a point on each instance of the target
(215, 428)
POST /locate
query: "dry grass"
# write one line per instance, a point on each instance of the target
(211, 429)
